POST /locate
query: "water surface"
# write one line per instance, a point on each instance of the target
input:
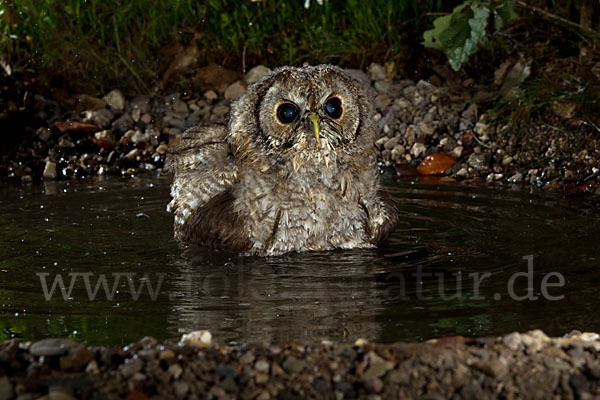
(427, 281)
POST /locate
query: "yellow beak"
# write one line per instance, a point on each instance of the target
(315, 120)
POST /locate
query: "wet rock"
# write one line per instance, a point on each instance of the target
(50, 170)
(418, 150)
(77, 358)
(199, 339)
(235, 90)
(123, 123)
(256, 74)
(51, 347)
(115, 100)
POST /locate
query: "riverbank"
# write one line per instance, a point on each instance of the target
(526, 366)
(437, 127)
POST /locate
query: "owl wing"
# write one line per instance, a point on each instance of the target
(205, 172)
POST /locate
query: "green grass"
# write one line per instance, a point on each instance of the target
(99, 44)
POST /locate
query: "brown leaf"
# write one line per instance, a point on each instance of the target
(74, 126)
(435, 164)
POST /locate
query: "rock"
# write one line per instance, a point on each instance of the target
(462, 173)
(512, 340)
(44, 134)
(292, 365)
(373, 385)
(146, 118)
(139, 138)
(106, 138)
(178, 123)
(425, 128)
(235, 90)
(75, 126)
(133, 154)
(180, 107)
(390, 144)
(220, 111)
(76, 359)
(262, 366)
(92, 368)
(256, 74)
(176, 371)
(162, 148)
(51, 347)
(123, 123)
(141, 103)
(479, 161)
(50, 170)
(131, 367)
(211, 95)
(358, 75)
(6, 388)
(101, 117)
(199, 339)
(115, 100)
(518, 177)
(181, 389)
(376, 72)
(377, 369)
(382, 87)
(457, 152)
(166, 354)
(382, 101)
(418, 149)
(65, 142)
(84, 102)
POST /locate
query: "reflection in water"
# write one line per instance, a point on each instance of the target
(446, 271)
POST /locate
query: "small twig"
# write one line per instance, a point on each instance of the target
(588, 32)
(244, 59)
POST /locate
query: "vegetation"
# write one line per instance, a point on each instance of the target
(110, 43)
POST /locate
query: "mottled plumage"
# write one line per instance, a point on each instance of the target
(294, 170)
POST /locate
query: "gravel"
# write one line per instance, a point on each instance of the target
(414, 119)
(517, 365)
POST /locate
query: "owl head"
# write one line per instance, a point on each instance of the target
(300, 112)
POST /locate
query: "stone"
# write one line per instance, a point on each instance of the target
(200, 339)
(256, 74)
(262, 366)
(6, 388)
(516, 178)
(101, 117)
(383, 87)
(123, 123)
(44, 134)
(133, 154)
(146, 118)
(377, 369)
(115, 100)
(92, 368)
(211, 95)
(418, 149)
(139, 137)
(235, 90)
(215, 75)
(180, 106)
(292, 365)
(376, 72)
(132, 367)
(76, 359)
(358, 75)
(106, 136)
(425, 128)
(513, 340)
(51, 347)
(457, 152)
(162, 148)
(141, 103)
(50, 170)
(220, 111)
(176, 371)
(479, 161)
(181, 389)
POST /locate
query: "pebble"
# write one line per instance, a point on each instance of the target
(50, 170)
(256, 74)
(6, 388)
(220, 111)
(418, 150)
(123, 123)
(106, 136)
(44, 134)
(101, 117)
(180, 106)
(211, 95)
(51, 347)
(199, 339)
(292, 365)
(115, 100)
(176, 371)
(376, 72)
(235, 90)
(513, 341)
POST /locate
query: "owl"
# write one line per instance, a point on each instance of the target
(294, 170)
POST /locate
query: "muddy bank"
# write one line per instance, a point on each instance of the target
(82, 135)
(528, 365)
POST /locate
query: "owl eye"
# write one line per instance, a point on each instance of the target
(333, 107)
(287, 112)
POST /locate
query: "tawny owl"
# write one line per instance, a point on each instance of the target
(294, 170)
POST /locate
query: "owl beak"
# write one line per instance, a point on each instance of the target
(316, 128)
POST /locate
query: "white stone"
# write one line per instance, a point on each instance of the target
(197, 339)
(115, 100)
(256, 74)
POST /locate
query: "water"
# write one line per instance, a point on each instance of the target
(421, 284)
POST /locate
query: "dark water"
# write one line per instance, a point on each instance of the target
(422, 284)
